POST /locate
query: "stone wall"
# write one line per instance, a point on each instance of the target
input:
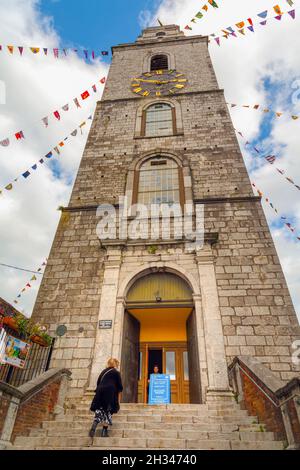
(36, 410)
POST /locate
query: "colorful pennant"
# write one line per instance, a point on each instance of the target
(200, 14)
(260, 107)
(28, 285)
(45, 120)
(48, 156)
(271, 159)
(64, 52)
(242, 27)
(283, 219)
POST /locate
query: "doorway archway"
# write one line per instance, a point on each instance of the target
(159, 328)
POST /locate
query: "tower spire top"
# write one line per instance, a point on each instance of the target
(159, 22)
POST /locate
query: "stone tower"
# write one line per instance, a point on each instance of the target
(162, 133)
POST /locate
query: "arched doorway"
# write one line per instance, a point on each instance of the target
(160, 329)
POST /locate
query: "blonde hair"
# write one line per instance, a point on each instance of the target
(113, 362)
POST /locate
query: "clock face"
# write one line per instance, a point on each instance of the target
(158, 83)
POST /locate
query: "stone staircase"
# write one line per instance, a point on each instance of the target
(217, 425)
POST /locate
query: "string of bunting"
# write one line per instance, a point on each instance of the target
(56, 149)
(263, 109)
(20, 135)
(28, 285)
(271, 159)
(283, 219)
(199, 15)
(57, 52)
(243, 27)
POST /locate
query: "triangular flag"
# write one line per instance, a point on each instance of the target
(213, 3)
(57, 115)
(26, 174)
(240, 25)
(57, 150)
(45, 51)
(49, 155)
(35, 50)
(94, 88)
(263, 23)
(102, 80)
(279, 114)
(292, 13)
(4, 143)
(65, 107)
(77, 103)
(86, 53)
(205, 8)
(33, 278)
(85, 95)
(11, 49)
(34, 167)
(278, 17)
(19, 135)
(188, 27)
(277, 10)
(295, 117)
(9, 187)
(56, 53)
(199, 15)
(263, 14)
(46, 121)
(21, 49)
(217, 41)
(74, 133)
(251, 28)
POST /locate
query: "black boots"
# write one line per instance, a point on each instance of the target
(93, 429)
(104, 432)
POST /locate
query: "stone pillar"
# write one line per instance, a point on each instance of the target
(8, 427)
(218, 381)
(63, 389)
(201, 345)
(104, 337)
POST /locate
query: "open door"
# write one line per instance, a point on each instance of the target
(193, 359)
(130, 358)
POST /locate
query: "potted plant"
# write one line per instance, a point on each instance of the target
(11, 322)
(39, 336)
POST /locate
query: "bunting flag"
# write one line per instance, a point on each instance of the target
(63, 52)
(201, 13)
(271, 159)
(26, 174)
(243, 27)
(263, 109)
(283, 219)
(45, 120)
(28, 285)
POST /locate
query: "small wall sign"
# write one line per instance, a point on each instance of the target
(105, 324)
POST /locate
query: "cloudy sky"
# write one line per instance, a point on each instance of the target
(260, 68)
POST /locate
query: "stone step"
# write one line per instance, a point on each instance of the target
(161, 433)
(140, 443)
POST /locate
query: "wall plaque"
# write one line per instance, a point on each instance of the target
(105, 324)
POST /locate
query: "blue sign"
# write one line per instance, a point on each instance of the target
(159, 389)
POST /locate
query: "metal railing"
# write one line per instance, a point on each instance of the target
(38, 361)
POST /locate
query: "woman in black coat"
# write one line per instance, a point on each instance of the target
(106, 399)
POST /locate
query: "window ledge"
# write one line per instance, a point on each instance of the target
(158, 136)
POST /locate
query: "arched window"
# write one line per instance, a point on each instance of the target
(159, 181)
(159, 119)
(159, 62)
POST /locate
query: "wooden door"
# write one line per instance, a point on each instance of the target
(193, 360)
(130, 358)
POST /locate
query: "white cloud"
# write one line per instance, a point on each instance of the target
(241, 66)
(36, 86)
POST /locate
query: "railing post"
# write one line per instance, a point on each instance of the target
(64, 385)
(11, 414)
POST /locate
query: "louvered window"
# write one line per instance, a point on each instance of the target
(159, 62)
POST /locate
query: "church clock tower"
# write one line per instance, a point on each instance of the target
(162, 134)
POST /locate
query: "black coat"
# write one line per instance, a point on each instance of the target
(107, 392)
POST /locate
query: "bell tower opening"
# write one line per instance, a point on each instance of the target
(160, 331)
